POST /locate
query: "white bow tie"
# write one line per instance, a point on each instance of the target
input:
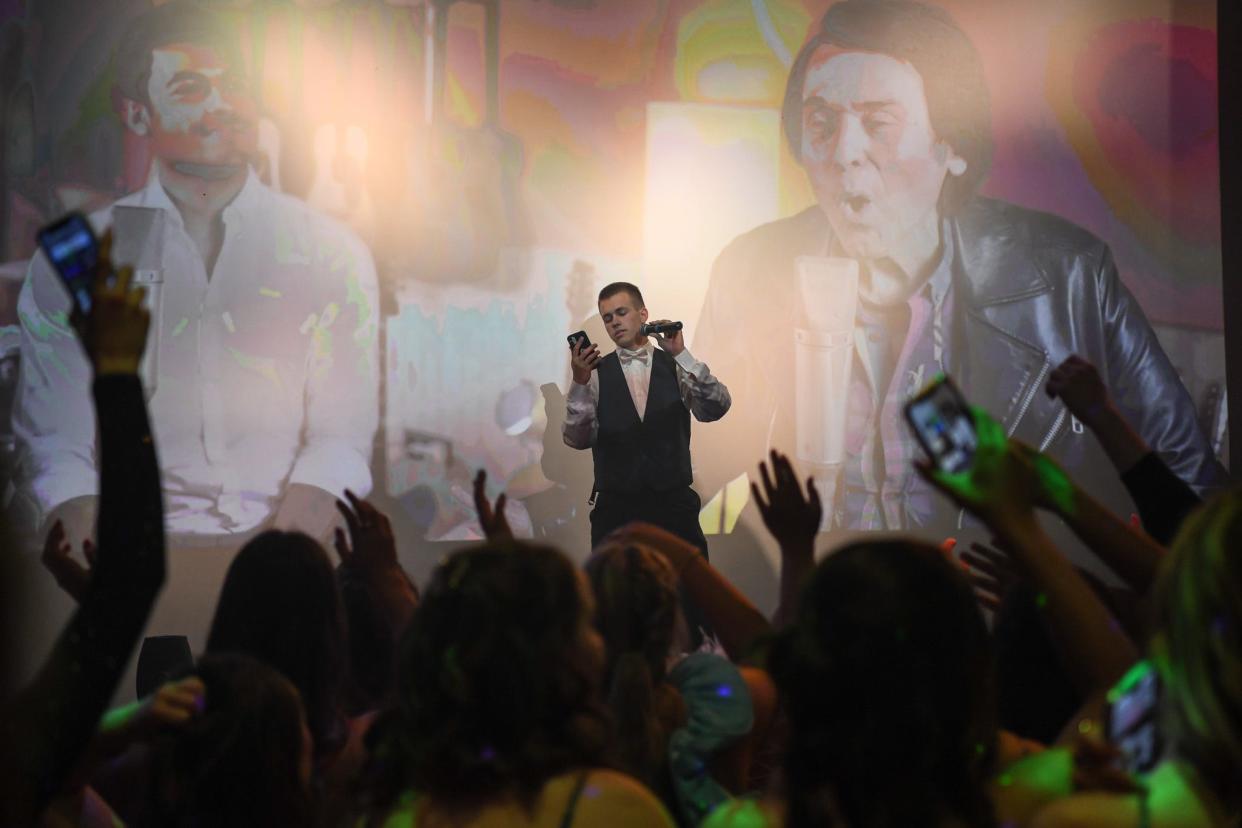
(627, 356)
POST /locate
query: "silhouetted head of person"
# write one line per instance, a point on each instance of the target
(637, 612)
(887, 679)
(1197, 645)
(244, 761)
(280, 604)
(497, 682)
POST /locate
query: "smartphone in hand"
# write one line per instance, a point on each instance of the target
(941, 419)
(1133, 718)
(579, 339)
(73, 250)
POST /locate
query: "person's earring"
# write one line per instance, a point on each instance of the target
(957, 165)
(137, 118)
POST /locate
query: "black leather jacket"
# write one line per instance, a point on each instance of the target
(1030, 289)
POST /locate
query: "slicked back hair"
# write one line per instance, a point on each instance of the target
(930, 40)
(178, 22)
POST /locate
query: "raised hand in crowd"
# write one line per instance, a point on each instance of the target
(171, 706)
(1009, 481)
(50, 722)
(793, 518)
(174, 704)
(1163, 499)
(1098, 762)
(991, 573)
(679, 551)
(370, 542)
(1131, 552)
(1079, 385)
(114, 336)
(491, 515)
(114, 333)
(57, 558)
(1000, 486)
(76, 518)
(1004, 485)
(737, 623)
(369, 563)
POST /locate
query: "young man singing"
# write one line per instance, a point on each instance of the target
(634, 415)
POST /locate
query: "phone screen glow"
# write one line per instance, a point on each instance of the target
(72, 250)
(946, 430)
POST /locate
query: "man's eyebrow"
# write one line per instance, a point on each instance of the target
(865, 106)
(872, 106)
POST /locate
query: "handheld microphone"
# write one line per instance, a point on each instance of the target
(666, 328)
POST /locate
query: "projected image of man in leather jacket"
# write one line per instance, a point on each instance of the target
(887, 111)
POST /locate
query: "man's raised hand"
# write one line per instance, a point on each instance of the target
(674, 343)
(584, 361)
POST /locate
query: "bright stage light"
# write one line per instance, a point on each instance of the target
(712, 174)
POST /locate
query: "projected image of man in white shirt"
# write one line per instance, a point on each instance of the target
(265, 402)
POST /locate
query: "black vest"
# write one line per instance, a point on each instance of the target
(651, 454)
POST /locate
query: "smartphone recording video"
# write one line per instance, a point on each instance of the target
(944, 426)
(1132, 718)
(71, 246)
